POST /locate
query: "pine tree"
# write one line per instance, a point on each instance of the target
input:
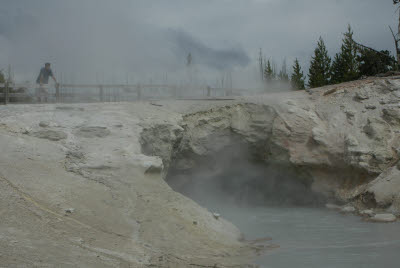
(297, 78)
(338, 69)
(269, 73)
(373, 62)
(261, 64)
(345, 66)
(283, 75)
(319, 73)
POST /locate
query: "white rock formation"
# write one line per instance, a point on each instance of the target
(383, 218)
(107, 162)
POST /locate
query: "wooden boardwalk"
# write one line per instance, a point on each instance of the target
(25, 92)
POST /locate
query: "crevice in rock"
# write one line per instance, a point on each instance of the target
(237, 175)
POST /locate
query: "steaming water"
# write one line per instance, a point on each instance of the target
(314, 237)
(270, 201)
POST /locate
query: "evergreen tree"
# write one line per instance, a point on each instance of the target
(269, 73)
(261, 64)
(319, 73)
(2, 79)
(283, 75)
(345, 66)
(337, 69)
(297, 78)
(373, 63)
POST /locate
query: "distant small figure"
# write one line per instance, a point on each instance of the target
(42, 79)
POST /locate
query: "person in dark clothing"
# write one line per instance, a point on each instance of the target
(43, 78)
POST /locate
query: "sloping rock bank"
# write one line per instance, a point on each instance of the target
(76, 191)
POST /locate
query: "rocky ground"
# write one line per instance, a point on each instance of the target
(83, 184)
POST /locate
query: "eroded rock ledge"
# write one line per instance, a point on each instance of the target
(343, 141)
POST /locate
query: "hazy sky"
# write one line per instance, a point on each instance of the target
(143, 39)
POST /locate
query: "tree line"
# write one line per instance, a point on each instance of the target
(352, 62)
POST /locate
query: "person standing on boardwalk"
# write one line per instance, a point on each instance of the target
(42, 79)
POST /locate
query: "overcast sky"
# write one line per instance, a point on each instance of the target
(143, 39)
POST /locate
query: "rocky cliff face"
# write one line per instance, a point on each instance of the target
(337, 138)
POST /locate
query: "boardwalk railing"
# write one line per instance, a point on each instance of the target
(106, 92)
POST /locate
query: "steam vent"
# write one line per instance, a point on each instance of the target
(203, 183)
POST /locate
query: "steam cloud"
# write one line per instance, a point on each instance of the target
(134, 40)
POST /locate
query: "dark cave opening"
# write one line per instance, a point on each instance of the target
(238, 176)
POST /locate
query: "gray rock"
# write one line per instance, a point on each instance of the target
(93, 132)
(361, 95)
(154, 169)
(53, 135)
(376, 129)
(332, 206)
(348, 209)
(370, 107)
(43, 124)
(153, 165)
(216, 215)
(69, 210)
(319, 136)
(384, 218)
(350, 113)
(391, 114)
(351, 141)
(367, 212)
(26, 130)
(291, 102)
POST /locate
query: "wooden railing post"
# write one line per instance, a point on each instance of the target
(208, 91)
(101, 93)
(57, 92)
(6, 95)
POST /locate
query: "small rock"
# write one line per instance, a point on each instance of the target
(69, 210)
(351, 141)
(43, 124)
(75, 155)
(50, 135)
(391, 114)
(350, 114)
(93, 132)
(361, 95)
(319, 136)
(26, 131)
(384, 218)
(367, 212)
(216, 215)
(348, 209)
(332, 206)
(195, 222)
(370, 107)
